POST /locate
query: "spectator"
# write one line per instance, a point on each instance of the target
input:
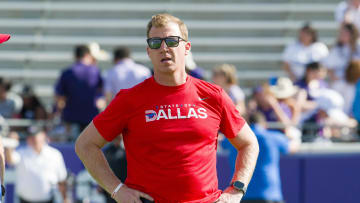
(78, 89)
(32, 106)
(281, 104)
(278, 103)
(192, 69)
(39, 169)
(348, 12)
(347, 87)
(225, 76)
(265, 186)
(313, 78)
(328, 116)
(306, 50)
(125, 74)
(356, 105)
(346, 49)
(7, 105)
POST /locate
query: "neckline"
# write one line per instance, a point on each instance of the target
(172, 88)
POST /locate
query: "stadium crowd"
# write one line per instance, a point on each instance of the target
(317, 101)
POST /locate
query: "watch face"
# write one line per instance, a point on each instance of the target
(238, 185)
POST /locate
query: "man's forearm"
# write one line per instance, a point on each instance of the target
(245, 163)
(63, 189)
(95, 162)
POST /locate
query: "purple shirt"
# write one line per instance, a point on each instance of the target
(81, 85)
(303, 85)
(270, 113)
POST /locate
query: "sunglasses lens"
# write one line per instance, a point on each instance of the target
(172, 42)
(154, 43)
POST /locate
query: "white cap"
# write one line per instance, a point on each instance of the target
(284, 88)
(97, 53)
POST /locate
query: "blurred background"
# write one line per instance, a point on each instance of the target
(265, 43)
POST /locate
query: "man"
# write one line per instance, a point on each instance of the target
(78, 89)
(125, 74)
(170, 125)
(265, 186)
(3, 38)
(39, 169)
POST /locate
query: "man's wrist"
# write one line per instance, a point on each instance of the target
(239, 186)
(116, 190)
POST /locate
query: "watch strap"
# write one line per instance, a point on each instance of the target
(239, 186)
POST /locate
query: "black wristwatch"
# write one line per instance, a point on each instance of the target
(3, 190)
(239, 186)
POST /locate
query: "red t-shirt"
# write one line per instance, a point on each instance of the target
(170, 136)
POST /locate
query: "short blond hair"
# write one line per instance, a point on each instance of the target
(163, 19)
(229, 71)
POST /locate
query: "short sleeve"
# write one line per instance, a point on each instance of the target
(61, 173)
(340, 11)
(331, 59)
(100, 86)
(112, 121)
(231, 121)
(287, 54)
(237, 93)
(60, 87)
(107, 81)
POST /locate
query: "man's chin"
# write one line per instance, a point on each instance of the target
(167, 68)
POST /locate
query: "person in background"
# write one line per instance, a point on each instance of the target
(313, 78)
(32, 106)
(265, 186)
(329, 117)
(225, 76)
(39, 168)
(125, 74)
(281, 101)
(345, 50)
(347, 87)
(78, 89)
(7, 105)
(356, 106)
(348, 12)
(305, 50)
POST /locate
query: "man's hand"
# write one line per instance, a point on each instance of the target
(230, 195)
(128, 195)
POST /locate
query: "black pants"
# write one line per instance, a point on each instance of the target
(24, 201)
(260, 201)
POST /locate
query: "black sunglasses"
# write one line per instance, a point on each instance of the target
(172, 41)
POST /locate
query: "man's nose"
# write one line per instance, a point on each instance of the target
(164, 46)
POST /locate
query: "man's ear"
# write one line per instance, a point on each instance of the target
(187, 47)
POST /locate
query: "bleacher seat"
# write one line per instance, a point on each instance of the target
(249, 34)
